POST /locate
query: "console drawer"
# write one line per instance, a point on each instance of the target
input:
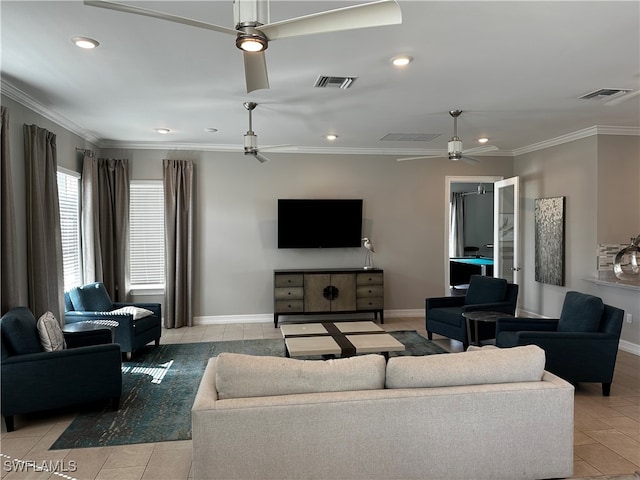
(291, 293)
(292, 306)
(289, 280)
(370, 291)
(374, 303)
(369, 278)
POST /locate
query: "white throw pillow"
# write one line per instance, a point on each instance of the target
(137, 312)
(51, 336)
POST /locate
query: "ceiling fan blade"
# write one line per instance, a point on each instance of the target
(419, 158)
(284, 145)
(261, 158)
(470, 160)
(482, 149)
(121, 7)
(374, 14)
(255, 71)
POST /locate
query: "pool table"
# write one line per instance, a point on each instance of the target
(461, 268)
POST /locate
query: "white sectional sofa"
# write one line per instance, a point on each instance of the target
(489, 413)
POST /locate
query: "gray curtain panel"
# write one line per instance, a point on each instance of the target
(9, 295)
(456, 247)
(105, 224)
(44, 240)
(178, 228)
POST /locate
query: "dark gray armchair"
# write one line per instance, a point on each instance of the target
(580, 346)
(32, 380)
(443, 315)
(91, 303)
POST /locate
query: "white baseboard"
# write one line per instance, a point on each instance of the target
(629, 347)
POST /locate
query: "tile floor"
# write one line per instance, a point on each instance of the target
(607, 429)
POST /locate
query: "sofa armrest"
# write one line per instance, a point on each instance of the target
(77, 316)
(52, 361)
(518, 324)
(440, 302)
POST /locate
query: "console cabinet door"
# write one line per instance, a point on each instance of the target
(324, 292)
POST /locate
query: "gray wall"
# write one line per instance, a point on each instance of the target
(235, 254)
(584, 171)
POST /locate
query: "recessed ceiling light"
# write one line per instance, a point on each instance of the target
(85, 42)
(211, 130)
(331, 136)
(163, 131)
(483, 140)
(401, 60)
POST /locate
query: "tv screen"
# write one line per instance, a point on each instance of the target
(306, 223)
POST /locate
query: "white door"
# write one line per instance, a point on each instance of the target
(506, 254)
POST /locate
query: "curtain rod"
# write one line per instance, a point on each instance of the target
(87, 152)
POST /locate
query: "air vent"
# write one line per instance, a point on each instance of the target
(325, 81)
(410, 137)
(604, 93)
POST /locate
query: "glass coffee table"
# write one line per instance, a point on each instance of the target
(341, 339)
(478, 316)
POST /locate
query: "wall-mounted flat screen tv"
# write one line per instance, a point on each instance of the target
(319, 223)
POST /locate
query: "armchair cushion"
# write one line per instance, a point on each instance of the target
(486, 290)
(20, 336)
(580, 313)
(92, 297)
(51, 336)
(137, 312)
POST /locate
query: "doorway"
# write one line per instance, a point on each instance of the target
(476, 193)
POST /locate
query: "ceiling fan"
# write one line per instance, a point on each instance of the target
(454, 146)
(253, 30)
(251, 139)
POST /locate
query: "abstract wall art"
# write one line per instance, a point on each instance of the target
(549, 240)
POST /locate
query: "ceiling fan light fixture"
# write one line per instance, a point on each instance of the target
(331, 136)
(251, 42)
(483, 140)
(85, 42)
(163, 131)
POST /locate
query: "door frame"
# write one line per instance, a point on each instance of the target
(447, 209)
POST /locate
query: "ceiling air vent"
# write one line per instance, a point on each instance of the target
(410, 137)
(604, 93)
(325, 81)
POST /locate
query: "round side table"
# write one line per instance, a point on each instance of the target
(478, 316)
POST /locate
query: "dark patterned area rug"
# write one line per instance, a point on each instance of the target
(159, 387)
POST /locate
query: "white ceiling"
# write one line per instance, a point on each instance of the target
(515, 68)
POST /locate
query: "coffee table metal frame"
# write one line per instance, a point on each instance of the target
(343, 339)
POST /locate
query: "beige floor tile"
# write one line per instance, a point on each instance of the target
(168, 465)
(626, 425)
(583, 469)
(604, 459)
(129, 456)
(131, 473)
(620, 443)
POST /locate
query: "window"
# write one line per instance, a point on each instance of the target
(69, 204)
(146, 234)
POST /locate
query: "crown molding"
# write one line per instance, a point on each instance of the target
(580, 134)
(14, 93)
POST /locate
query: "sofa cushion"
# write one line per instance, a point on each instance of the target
(486, 290)
(91, 298)
(485, 366)
(239, 375)
(19, 331)
(580, 313)
(51, 336)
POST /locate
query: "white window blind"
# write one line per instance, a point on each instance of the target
(146, 233)
(69, 204)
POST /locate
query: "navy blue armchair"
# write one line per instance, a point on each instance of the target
(91, 303)
(32, 380)
(580, 346)
(443, 315)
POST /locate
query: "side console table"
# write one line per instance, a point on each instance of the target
(322, 291)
